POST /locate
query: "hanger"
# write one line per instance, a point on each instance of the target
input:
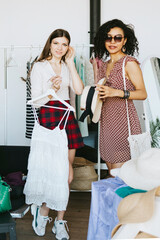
(40, 51)
(11, 62)
(30, 59)
(82, 55)
(50, 92)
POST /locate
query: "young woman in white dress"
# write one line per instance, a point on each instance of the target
(55, 69)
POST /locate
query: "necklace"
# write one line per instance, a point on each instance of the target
(114, 61)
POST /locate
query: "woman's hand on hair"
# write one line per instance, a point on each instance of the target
(69, 58)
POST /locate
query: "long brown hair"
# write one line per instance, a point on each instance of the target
(46, 50)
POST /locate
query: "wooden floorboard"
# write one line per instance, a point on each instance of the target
(77, 216)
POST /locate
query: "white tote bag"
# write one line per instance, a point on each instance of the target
(139, 142)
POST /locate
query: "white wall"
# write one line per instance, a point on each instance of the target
(31, 22)
(144, 15)
(25, 23)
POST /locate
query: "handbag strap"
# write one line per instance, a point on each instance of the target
(124, 81)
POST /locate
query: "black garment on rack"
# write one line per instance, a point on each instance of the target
(29, 111)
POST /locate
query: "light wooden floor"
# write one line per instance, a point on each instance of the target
(77, 217)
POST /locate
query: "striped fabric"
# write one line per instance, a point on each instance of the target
(29, 112)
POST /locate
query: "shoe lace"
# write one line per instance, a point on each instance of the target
(45, 220)
(63, 223)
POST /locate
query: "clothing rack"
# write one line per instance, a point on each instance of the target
(11, 48)
(40, 46)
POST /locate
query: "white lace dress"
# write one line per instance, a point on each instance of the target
(48, 168)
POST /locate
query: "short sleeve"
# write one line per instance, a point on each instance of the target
(131, 59)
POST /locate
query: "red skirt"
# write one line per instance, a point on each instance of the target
(50, 118)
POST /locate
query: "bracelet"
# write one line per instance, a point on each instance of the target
(126, 94)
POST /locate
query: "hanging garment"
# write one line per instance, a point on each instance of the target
(48, 167)
(80, 66)
(89, 73)
(29, 112)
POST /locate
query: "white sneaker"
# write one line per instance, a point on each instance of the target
(39, 222)
(59, 229)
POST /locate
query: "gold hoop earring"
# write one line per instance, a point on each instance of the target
(50, 54)
(123, 49)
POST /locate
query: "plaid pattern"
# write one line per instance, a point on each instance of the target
(50, 118)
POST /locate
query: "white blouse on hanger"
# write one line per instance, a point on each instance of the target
(40, 81)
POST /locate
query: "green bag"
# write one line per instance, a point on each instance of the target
(5, 202)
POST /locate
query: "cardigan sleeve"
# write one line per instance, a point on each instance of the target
(37, 84)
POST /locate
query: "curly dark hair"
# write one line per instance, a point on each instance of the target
(128, 29)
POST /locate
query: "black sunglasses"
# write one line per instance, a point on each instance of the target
(117, 38)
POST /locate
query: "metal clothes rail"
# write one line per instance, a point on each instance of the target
(40, 46)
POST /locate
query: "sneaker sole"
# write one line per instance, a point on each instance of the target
(54, 231)
(33, 212)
